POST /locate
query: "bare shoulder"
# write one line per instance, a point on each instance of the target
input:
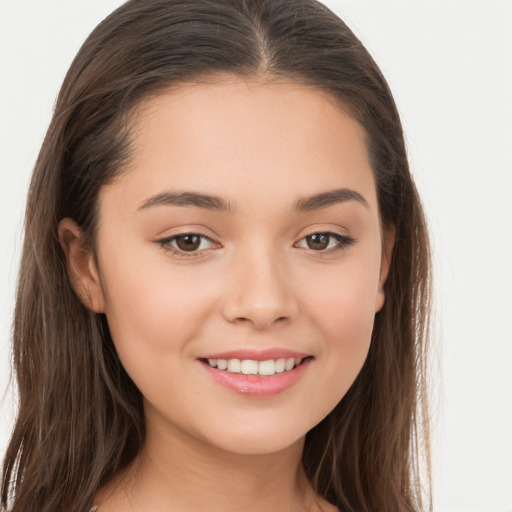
(110, 503)
(325, 506)
(329, 508)
(113, 496)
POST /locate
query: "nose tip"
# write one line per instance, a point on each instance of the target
(261, 295)
(261, 317)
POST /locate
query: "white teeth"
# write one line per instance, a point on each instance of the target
(234, 365)
(251, 367)
(267, 367)
(280, 365)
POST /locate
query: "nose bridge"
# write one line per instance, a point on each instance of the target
(260, 290)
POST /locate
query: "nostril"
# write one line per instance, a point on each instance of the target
(242, 319)
(258, 321)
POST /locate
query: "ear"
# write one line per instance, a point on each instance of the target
(388, 243)
(81, 265)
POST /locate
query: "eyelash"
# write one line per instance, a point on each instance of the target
(344, 242)
(165, 244)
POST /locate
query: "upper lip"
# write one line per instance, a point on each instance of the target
(257, 355)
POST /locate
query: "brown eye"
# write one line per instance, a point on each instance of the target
(326, 242)
(318, 241)
(188, 243)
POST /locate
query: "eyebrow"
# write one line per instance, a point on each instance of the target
(216, 203)
(330, 198)
(188, 199)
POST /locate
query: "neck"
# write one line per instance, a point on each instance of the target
(178, 472)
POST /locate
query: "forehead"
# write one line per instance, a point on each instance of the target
(247, 139)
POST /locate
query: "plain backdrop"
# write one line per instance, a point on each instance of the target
(449, 64)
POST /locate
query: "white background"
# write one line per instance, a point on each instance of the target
(449, 64)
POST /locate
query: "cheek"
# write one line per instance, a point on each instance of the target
(153, 314)
(344, 301)
(347, 324)
(343, 311)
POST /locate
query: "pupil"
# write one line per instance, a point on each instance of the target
(188, 242)
(318, 241)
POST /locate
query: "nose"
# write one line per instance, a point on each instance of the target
(260, 291)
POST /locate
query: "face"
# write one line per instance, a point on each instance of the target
(239, 261)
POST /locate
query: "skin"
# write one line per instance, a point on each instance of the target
(255, 283)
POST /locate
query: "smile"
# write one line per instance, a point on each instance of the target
(257, 373)
(252, 367)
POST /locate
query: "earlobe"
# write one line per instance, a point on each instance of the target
(81, 266)
(389, 236)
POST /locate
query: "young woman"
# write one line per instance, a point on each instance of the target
(224, 290)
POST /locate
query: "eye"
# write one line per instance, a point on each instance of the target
(326, 241)
(187, 244)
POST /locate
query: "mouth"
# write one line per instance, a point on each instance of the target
(257, 375)
(264, 368)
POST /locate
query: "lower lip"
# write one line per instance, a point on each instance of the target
(253, 385)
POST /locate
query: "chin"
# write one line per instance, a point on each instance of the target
(258, 440)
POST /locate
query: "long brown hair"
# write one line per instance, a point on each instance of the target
(80, 416)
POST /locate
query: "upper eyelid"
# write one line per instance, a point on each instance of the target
(192, 229)
(171, 238)
(165, 244)
(212, 239)
(313, 229)
(341, 238)
(330, 232)
(349, 240)
(185, 233)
